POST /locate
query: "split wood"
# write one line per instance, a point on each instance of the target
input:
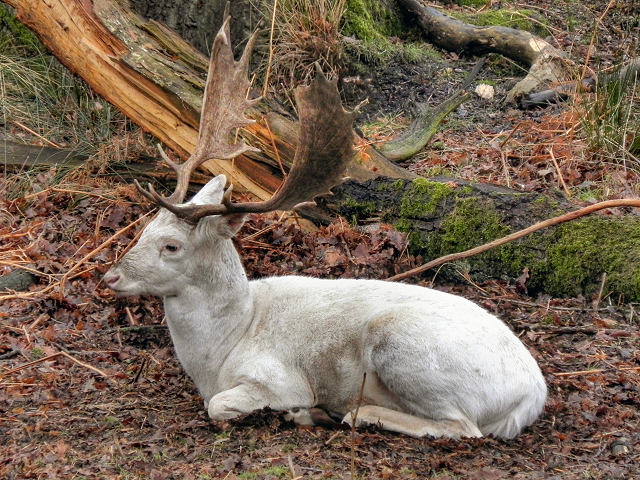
(514, 236)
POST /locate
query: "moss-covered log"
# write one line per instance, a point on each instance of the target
(443, 216)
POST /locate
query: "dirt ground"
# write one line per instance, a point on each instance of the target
(90, 387)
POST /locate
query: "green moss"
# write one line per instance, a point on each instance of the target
(403, 225)
(471, 223)
(423, 198)
(374, 22)
(502, 18)
(36, 353)
(14, 35)
(398, 184)
(581, 251)
(471, 3)
(371, 20)
(359, 208)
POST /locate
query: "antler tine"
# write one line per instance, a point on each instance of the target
(325, 147)
(223, 106)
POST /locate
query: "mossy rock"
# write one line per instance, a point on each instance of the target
(443, 216)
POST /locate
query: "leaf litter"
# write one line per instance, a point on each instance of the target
(89, 386)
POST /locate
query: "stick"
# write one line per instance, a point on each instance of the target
(49, 357)
(86, 365)
(555, 164)
(596, 304)
(270, 60)
(36, 134)
(30, 364)
(514, 236)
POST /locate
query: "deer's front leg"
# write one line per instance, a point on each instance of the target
(246, 398)
(236, 401)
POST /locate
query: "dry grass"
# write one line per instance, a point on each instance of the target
(303, 33)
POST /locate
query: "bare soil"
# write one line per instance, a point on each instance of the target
(90, 388)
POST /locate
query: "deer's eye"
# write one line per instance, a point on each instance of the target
(172, 247)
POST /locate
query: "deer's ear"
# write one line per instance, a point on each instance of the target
(228, 225)
(225, 226)
(212, 192)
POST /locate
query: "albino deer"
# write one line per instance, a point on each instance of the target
(435, 364)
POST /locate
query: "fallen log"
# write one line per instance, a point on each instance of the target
(545, 62)
(443, 216)
(16, 157)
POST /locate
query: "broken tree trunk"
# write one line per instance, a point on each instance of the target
(157, 79)
(444, 216)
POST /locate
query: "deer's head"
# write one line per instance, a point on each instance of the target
(186, 236)
(173, 253)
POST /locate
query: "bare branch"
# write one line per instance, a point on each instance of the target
(629, 202)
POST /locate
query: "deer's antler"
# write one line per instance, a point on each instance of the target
(223, 106)
(325, 143)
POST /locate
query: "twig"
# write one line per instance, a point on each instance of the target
(505, 167)
(593, 37)
(273, 26)
(597, 370)
(73, 192)
(543, 330)
(514, 236)
(86, 365)
(578, 373)
(555, 164)
(132, 320)
(27, 129)
(332, 437)
(292, 469)
(513, 130)
(10, 354)
(49, 357)
(30, 364)
(276, 153)
(137, 328)
(596, 303)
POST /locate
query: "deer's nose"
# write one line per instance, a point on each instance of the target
(111, 279)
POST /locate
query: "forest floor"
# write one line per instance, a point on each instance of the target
(90, 387)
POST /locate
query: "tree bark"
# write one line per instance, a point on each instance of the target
(198, 21)
(156, 78)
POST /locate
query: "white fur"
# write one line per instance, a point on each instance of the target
(435, 364)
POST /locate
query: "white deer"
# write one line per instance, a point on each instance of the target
(432, 363)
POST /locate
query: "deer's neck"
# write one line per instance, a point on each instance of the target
(210, 316)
